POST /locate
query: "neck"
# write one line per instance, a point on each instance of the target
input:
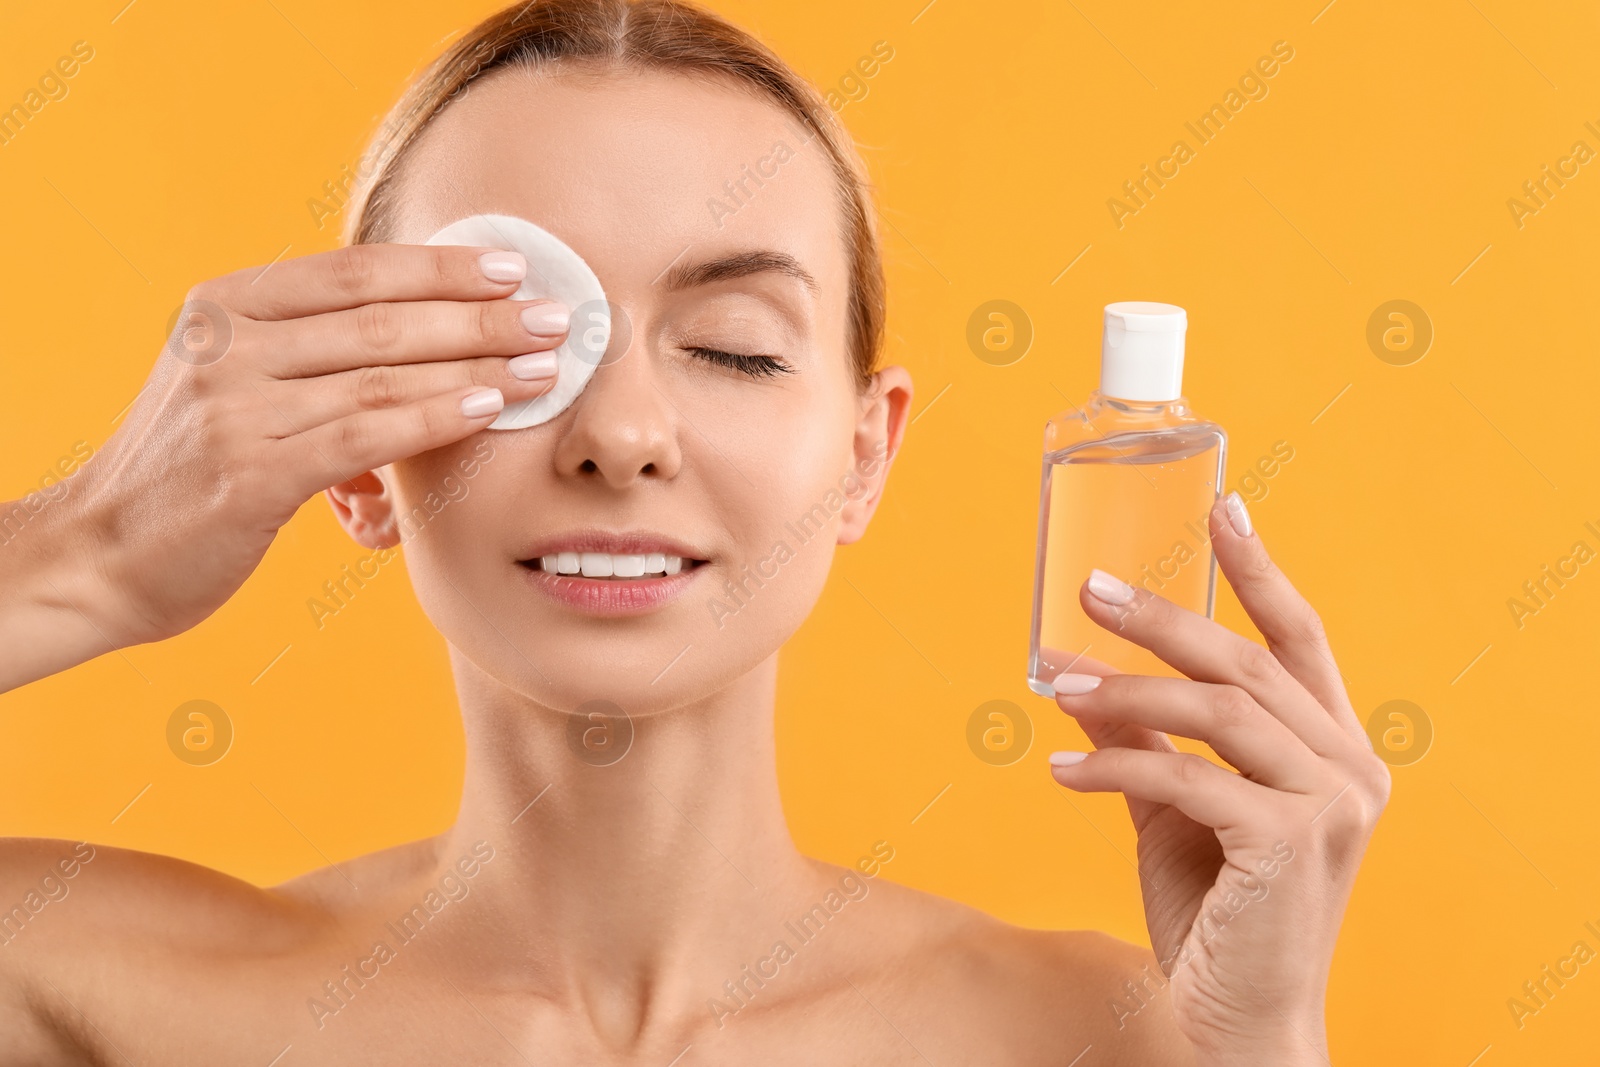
(630, 877)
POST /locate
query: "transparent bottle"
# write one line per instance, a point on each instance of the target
(1126, 486)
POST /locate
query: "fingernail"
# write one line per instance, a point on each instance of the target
(1238, 515)
(533, 366)
(1111, 590)
(545, 320)
(503, 266)
(483, 402)
(1066, 759)
(1075, 684)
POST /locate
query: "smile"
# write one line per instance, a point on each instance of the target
(616, 566)
(610, 574)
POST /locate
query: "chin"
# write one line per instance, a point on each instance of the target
(573, 643)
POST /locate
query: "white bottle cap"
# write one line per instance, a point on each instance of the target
(1141, 351)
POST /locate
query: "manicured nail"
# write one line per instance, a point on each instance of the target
(1238, 515)
(1075, 684)
(533, 366)
(1066, 759)
(503, 266)
(1111, 590)
(546, 320)
(483, 402)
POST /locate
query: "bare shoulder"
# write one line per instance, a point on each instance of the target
(73, 891)
(146, 897)
(89, 932)
(77, 917)
(985, 990)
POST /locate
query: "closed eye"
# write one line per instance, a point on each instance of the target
(755, 366)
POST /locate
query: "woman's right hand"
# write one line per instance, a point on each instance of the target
(278, 384)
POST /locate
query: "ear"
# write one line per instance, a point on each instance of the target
(877, 441)
(365, 509)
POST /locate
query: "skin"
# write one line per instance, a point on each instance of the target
(606, 906)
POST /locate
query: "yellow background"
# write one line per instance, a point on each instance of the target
(1416, 505)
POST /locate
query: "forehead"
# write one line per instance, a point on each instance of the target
(636, 170)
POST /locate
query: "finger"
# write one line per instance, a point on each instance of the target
(364, 274)
(1054, 661)
(307, 402)
(1223, 716)
(338, 451)
(419, 331)
(1209, 652)
(1292, 628)
(1194, 785)
(1109, 733)
(1103, 733)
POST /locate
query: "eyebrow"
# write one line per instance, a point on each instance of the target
(739, 265)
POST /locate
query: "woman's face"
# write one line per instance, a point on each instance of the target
(648, 176)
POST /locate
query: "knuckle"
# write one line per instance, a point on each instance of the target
(354, 438)
(1232, 706)
(490, 372)
(431, 424)
(209, 411)
(449, 270)
(206, 390)
(1257, 664)
(353, 268)
(485, 325)
(1376, 778)
(202, 311)
(1345, 819)
(377, 327)
(1191, 767)
(1353, 809)
(1258, 566)
(378, 387)
(210, 298)
(1311, 624)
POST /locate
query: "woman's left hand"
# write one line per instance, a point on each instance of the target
(1246, 875)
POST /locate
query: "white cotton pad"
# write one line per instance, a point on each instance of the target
(555, 272)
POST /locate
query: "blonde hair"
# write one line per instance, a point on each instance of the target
(666, 35)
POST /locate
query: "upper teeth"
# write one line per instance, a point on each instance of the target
(608, 565)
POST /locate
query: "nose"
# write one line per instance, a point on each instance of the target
(623, 427)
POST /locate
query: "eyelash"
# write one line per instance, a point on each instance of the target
(755, 366)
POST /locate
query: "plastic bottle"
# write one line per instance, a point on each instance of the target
(1126, 485)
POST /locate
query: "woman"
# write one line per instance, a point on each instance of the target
(620, 886)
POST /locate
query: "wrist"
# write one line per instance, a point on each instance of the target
(54, 611)
(1286, 1031)
(1302, 1044)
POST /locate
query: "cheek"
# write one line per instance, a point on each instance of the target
(430, 472)
(481, 466)
(779, 511)
(772, 457)
(454, 509)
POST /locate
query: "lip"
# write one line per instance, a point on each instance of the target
(595, 539)
(608, 598)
